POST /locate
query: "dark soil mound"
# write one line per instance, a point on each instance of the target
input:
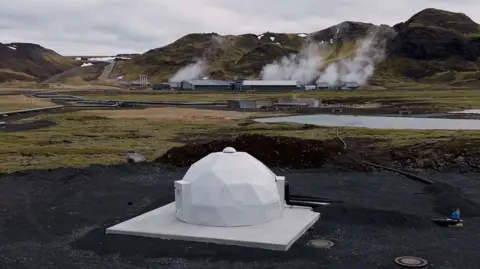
(274, 151)
(461, 154)
(296, 153)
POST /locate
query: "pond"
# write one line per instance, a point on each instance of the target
(375, 122)
(468, 111)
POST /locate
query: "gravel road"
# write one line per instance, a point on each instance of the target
(57, 219)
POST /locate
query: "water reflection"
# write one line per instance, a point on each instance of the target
(379, 122)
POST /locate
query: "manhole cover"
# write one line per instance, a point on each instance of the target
(320, 243)
(409, 261)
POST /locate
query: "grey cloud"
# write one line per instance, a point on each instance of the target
(117, 26)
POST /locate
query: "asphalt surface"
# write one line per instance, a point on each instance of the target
(57, 219)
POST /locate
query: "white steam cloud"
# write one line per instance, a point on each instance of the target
(199, 68)
(218, 42)
(305, 66)
(302, 67)
(192, 71)
(359, 68)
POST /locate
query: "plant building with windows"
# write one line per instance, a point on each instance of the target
(206, 85)
(267, 85)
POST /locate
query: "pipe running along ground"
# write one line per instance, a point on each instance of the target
(408, 175)
(301, 200)
(310, 201)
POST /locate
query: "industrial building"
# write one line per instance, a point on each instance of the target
(308, 102)
(323, 86)
(337, 86)
(250, 104)
(268, 85)
(350, 85)
(175, 85)
(161, 86)
(296, 103)
(206, 85)
(283, 104)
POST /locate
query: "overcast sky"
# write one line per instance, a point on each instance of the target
(106, 27)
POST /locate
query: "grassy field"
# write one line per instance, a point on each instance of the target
(181, 114)
(34, 86)
(434, 98)
(102, 137)
(17, 102)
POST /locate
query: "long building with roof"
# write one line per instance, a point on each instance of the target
(206, 85)
(268, 85)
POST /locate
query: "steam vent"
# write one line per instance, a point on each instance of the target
(227, 197)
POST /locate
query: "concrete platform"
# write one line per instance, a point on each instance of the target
(275, 235)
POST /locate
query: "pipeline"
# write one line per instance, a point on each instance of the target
(300, 200)
(311, 199)
(406, 174)
(307, 203)
(341, 140)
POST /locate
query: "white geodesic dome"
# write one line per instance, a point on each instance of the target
(229, 188)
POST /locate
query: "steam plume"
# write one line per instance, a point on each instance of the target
(302, 67)
(360, 68)
(305, 66)
(192, 71)
(218, 42)
(199, 68)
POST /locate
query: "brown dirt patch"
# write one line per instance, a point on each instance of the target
(181, 114)
(14, 102)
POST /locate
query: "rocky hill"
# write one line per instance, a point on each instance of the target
(25, 61)
(433, 45)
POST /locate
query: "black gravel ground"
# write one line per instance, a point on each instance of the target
(57, 219)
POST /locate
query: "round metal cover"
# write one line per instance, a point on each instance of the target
(409, 261)
(320, 243)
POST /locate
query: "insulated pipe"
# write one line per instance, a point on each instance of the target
(307, 204)
(287, 193)
(300, 200)
(311, 199)
(408, 175)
